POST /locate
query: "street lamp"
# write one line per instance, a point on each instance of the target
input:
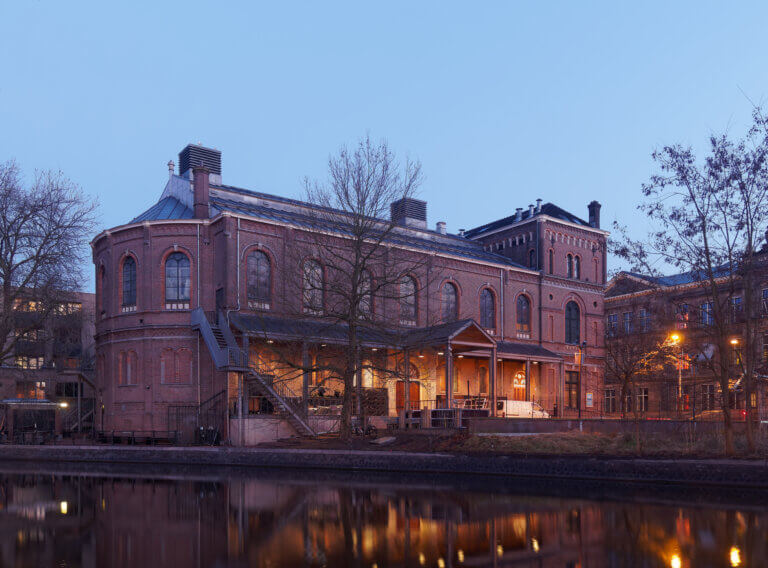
(677, 340)
(582, 348)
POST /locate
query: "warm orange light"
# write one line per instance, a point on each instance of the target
(674, 337)
(734, 341)
(735, 556)
(675, 562)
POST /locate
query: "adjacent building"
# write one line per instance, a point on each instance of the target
(193, 294)
(677, 311)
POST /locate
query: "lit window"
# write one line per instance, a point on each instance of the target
(523, 316)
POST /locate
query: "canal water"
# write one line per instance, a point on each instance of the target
(152, 517)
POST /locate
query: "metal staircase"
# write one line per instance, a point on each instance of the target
(284, 402)
(228, 356)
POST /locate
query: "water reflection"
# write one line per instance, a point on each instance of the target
(241, 520)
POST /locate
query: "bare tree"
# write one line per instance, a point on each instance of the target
(640, 353)
(44, 231)
(710, 217)
(356, 274)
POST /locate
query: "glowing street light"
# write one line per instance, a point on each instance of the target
(675, 561)
(735, 556)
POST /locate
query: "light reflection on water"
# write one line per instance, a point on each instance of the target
(276, 520)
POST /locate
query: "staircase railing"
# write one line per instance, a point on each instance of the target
(284, 401)
(222, 358)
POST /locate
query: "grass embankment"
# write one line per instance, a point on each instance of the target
(561, 444)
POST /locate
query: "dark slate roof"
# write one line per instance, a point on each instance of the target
(272, 326)
(441, 333)
(422, 238)
(309, 329)
(549, 209)
(682, 278)
(166, 208)
(525, 350)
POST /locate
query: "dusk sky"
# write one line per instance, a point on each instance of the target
(502, 102)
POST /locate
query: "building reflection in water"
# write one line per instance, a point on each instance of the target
(89, 521)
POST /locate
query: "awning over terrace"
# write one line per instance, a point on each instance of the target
(462, 335)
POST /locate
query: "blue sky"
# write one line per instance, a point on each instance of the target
(503, 102)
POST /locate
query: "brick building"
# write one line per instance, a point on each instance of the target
(678, 310)
(192, 292)
(52, 360)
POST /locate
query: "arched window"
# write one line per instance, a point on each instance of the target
(177, 282)
(408, 301)
(450, 302)
(572, 323)
(523, 315)
(597, 270)
(129, 284)
(551, 261)
(569, 261)
(577, 267)
(366, 293)
(259, 280)
(487, 309)
(532, 259)
(312, 287)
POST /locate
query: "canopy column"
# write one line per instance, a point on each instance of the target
(492, 380)
(449, 376)
(528, 380)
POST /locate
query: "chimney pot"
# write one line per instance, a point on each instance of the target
(594, 214)
(461, 232)
(538, 205)
(441, 227)
(201, 185)
(171, 165)
(530, 209)
(518, 213)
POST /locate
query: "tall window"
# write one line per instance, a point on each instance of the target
(450, 304)
(259, 280)
(736, 309)
(644, 319)
(642, 399)
(572, 323)
(523, 315)
(129, 284)
(613, 324)
(366, 293)
(532, 258)
(626, 322)
(487, 309)
(177, 282)
(610, 400)
(765, 300)
(551, 261)
(597, 270)
(705, 314)
(577, 267)
(569, 265)
(312, 287)
(408, 303)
